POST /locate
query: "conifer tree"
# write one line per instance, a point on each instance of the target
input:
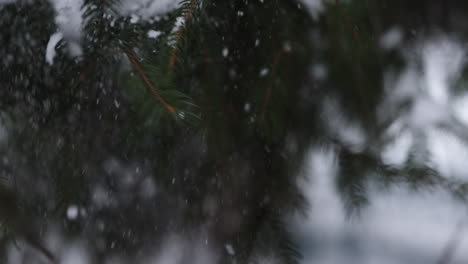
(217, 111)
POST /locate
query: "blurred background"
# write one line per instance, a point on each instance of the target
(244, 131)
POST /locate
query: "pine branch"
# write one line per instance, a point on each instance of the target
(148, 82)
(96, 15)
(179, 36)
(274, 69)
(356, 169)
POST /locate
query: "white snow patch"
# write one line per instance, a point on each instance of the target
(257, 42)
(75, 254)
(176, 249)
(72, 212)
(426, 113)
(134, 19)
(179, 22)
(391, 39)
(396, 153)
(448, 153)
(50, 50)
(348, 132)
(321, 171)
(153, 33)
(146, 9)
(319, 72)
(397, 227)
(264, 72)
(230, 249)
(247, 107)
(460, 108)
(314, 7)
(403, 220)
(442, 60)
(225, 52)
(69, 17)
(430, 104)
